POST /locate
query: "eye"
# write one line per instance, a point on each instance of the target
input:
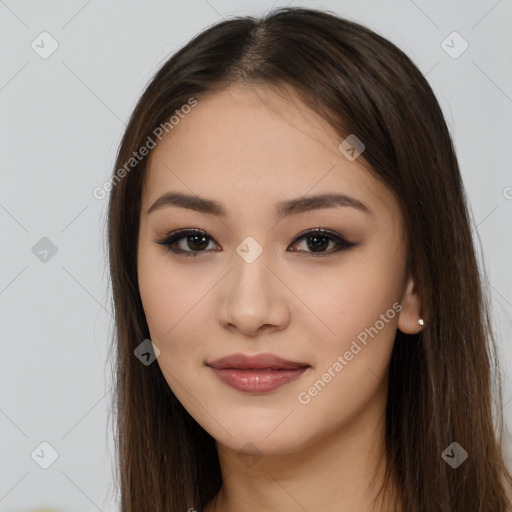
(195, 239)
(317, 240)
(190, 242)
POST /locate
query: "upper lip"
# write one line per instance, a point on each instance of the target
(259, 361)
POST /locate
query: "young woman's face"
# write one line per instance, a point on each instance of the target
(255, 278)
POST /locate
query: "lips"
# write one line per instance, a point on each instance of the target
(256, 374)
(257, 362)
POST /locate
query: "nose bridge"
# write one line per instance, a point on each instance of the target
(251, 298)
(250, 283)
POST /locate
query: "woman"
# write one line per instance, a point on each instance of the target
(299, 312)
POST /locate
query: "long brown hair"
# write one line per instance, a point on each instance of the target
(444, 383)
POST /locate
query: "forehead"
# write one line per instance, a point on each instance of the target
(248, 144)
(251, 121)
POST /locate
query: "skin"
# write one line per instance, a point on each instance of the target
(248, 148)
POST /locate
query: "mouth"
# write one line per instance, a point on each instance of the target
(256, 374)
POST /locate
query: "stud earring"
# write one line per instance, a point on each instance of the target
(421, 322)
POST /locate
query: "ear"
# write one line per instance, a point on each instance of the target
(410, 312)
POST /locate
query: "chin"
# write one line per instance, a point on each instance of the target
(264, 439)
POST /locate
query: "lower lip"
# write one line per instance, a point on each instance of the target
(257, 381)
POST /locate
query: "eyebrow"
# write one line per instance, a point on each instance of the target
(282, 209)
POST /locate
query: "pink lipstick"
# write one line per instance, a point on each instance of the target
(256, 374)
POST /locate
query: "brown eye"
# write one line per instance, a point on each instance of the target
(186, 241)
(197, 242)
(318, 240)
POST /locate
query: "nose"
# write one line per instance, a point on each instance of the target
(253, 300)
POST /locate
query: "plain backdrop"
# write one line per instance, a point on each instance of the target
(62, 118)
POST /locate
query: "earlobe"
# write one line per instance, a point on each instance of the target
(409, 320)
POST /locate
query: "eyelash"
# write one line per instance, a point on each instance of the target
(173, 237)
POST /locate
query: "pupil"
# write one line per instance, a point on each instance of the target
(316, 244)
(191, 241)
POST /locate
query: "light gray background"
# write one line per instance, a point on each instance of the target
(61, 123)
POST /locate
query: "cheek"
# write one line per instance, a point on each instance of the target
(351, 304)
(161, 292)
(158, 302)
(175, 303)
(360, 293)
(361, 307)
(167, 314)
